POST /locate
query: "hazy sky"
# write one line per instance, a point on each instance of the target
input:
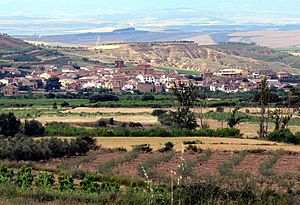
(69, 16)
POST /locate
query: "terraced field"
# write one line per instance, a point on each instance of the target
(195, 166)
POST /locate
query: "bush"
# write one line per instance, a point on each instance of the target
(192, 142)
(66, 184)
(284, 135)
(34, 128)
(35, 150)
(24, 178)
(45, 181)
(102, 123)
(142, 148)
(135, 124)
(159, 112)
(6, 175)
(111, 121)
(168, 147)
(9, 125)
(147, 97)
(191, 148)
(103, 98)
(65, 104)
(220, 109)
(89, 185)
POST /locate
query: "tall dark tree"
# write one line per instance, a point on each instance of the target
(53, 84)
(187, 96)
(9, 125)
(34, 128)
(263, 101)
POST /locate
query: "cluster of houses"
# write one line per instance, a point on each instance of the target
(143, 78)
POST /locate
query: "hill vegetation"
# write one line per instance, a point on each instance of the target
(191, 56)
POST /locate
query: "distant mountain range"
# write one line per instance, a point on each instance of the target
(173, 55)
(283, 36)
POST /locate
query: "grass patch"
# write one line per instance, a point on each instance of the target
(266, 167)
(226, 167)
(148, 167)
(108, 166)
(186, 170)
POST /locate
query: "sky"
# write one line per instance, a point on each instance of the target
(79, 16)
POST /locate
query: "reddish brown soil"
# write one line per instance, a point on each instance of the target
(172, 165)
(130, 169)
(251, 163)
(100, 159)
(211, 166)
(287, 164)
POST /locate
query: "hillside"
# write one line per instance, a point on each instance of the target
(192, 56)
(9, 44)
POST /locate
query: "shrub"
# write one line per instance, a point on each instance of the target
(167, 148)
(135, 124)
(192, 142)
(89, 185)
(24, 177)
(110, 187)
(158, 112)
(45, 181)
(142, 148)
(65, 104)
(66, 184)
(111, 121)
(9, 125)
(147, 97)
(34, 128)
(102, 123)
(191, 148)
(43, 149)
(6, 175)
(284, 135)
(103, 98)
(220, 109)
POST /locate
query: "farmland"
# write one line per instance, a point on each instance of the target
(125, 157)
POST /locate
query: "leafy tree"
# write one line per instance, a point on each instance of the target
(187, 96)
(9, 125)
(24, 177)
(34, 128)
(53, 84)
(45, 181)
(233, 120)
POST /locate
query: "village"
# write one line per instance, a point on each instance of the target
(143, 78)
